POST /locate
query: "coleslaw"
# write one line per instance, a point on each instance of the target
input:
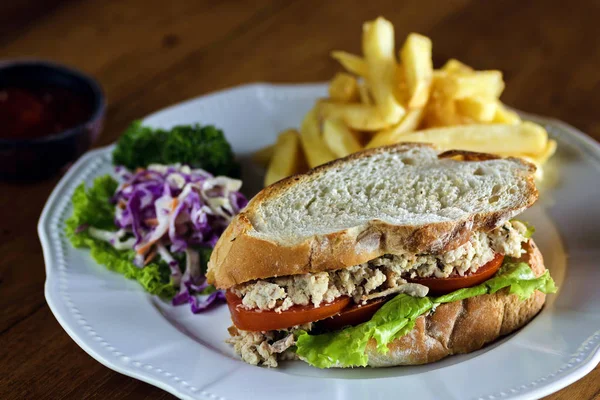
(173, 215)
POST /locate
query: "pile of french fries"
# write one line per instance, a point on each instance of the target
(382, 100)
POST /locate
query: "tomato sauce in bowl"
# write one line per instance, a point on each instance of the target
(29, 113)
(50, 114)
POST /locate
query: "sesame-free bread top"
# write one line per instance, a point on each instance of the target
(389, 200)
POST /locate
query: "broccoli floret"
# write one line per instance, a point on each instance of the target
(139, 146)
(200, 147)
(195, 145)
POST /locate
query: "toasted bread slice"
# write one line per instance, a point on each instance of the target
(390, 200)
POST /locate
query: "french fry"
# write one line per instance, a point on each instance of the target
(351, 62)
(344, 88)
(361, 117)
(288, 158)
(363, 92)
(315, 149)
(504, 116)
(418, 68)
(401, 87)
(479, 83)
(340, 140)
(525, 138)
(539, 172)
(409, 123)
(547, 153)
(479, 109)
(438, 76)
(455, 107)
(441, 111)
(453, 66)
(539, 158)
(263, 156)
(378, 48)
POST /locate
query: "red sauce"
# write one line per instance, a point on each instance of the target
(29, 113)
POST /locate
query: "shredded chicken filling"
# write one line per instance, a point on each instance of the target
(265, 348)
(382, 276)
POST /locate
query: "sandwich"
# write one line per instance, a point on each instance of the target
(392, 256)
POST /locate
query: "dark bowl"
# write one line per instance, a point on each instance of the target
(42, 157)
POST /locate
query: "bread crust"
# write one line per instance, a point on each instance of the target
(241, 255)
(463, 326)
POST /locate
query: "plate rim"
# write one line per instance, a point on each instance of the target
(52, 272)
(576, 137)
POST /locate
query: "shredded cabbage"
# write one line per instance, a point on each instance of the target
(168, 216)
(93, 207)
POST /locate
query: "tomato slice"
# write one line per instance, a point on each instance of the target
(267, 320)
(353, 315)
(438, 286)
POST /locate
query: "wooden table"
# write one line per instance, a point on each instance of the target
(149, 54)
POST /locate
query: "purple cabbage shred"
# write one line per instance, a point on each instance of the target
(200, 306)
(171, 210)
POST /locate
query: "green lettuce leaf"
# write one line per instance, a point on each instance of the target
(521, 280)
(154, 277)
(462, 294)
(341, 348)
(346, 348)
(516, 275)
(93, 208)
(397, 317)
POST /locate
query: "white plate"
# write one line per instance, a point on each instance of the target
(121, 326)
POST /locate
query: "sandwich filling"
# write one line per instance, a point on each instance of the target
(265, 348)
(381, 277)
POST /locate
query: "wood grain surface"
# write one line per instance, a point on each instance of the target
(149, 54)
